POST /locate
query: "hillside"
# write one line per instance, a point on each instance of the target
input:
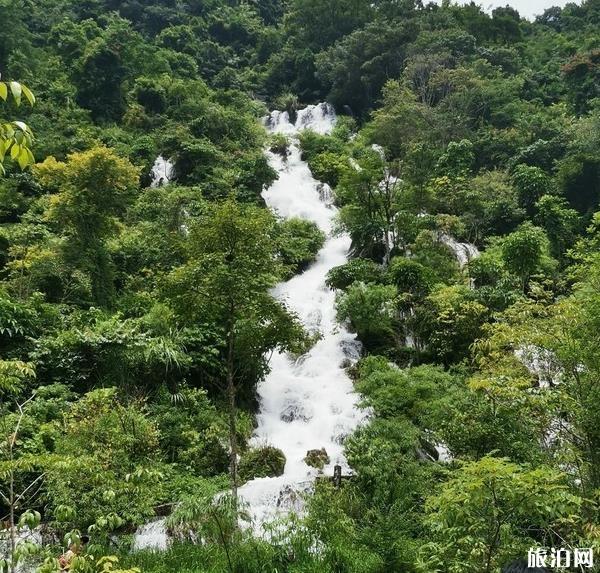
(214, 288)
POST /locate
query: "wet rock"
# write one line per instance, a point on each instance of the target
(317, 458)
(351, 349)
(290, 499)
(325, 193)
(295, 412)
(427, 451)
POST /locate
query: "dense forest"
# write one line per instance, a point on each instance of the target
(136, 318)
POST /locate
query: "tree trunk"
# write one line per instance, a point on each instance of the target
(233, 447)
(233, 462)
(13, 530)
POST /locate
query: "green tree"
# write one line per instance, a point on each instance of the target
(95, 187)
(318, 24)
(355, 270)
(106, 470)
(412, 279)
(582, 78)
(370, 196)
(449, 321)
(371, 310)
(524, 250)
(400, 122)
(299, 243)
(559, 221)
(531, 184)
(232, 264)
(485, 514)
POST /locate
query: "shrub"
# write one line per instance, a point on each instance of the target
(266, 461)
(299, 243)
(363, 270)
(279, 144)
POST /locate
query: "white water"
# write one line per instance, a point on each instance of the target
(24, 535)
(162, 172)
(464, 252)
(307, 403)
(541, 363)
(152, 535)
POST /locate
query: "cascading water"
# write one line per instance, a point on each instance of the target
(152, 535)
(464, 252)
(162, 172)
(308, 403)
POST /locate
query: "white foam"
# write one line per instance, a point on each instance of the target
(162, 172)
(151, 536)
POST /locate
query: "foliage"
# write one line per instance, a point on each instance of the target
(106, 472)
(355, 270)
(135, 314)
(266, 461)
(94, 188)
(524, 250)
(481, 517)
(370, 309)
(450, 320)
(16, 138)
(232, 264)
(300, 241)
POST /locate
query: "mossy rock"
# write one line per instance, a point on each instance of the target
(317, 458)
(279, 144)
(262, 462)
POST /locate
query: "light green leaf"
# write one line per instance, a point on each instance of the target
(23, 158)
(28, 94)
(15, 150)
(16, 89)
(22, 126)
(3, 91)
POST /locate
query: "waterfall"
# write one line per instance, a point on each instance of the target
(308, 403)
(541, 363)
(24, 535)
(152, 535)
(464, 252)
(162, 172)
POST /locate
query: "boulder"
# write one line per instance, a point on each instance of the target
(317, 458)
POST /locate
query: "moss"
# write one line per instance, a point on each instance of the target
(317, 458)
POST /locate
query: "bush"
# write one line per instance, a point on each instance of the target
(410, 277)
(262, 462)
(328, 167)
(313, 144)
(436, 256)
(363, 270)
(108, 460)
(279, 144)
(192, 433)
(299, 243)
(371, 310)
